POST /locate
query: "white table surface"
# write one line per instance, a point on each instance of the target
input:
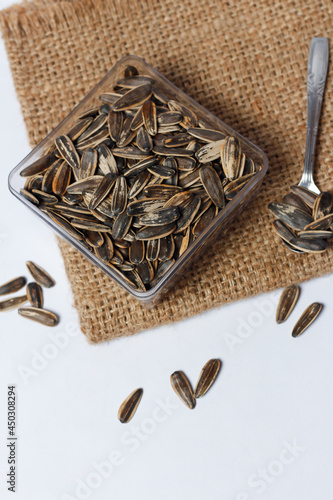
(262, 432)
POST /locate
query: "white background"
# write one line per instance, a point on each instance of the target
(262, 432)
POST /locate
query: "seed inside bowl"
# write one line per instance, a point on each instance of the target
(137, 179)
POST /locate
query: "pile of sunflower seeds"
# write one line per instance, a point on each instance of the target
(182, 387)
(137, 179)
(287, 302)
(34, 295)
(304, 220)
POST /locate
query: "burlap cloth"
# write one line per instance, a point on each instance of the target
(245, 62)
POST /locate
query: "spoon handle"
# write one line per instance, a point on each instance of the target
(316, 79)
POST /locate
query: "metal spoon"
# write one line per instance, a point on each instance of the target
(316, 79)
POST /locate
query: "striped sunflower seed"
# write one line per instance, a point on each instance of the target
(207, 377)
(287, 303)
(35, 295)
(307, 318)
(42, 316)
(129, 406)
(40, 275)
(13, 303)
(182, 387)
(13, 285)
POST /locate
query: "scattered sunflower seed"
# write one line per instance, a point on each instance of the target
(207, 377)
(182, 387)
(307, 318)
(129, 406)
(287, 303)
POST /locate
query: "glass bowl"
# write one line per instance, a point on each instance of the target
(206, 238)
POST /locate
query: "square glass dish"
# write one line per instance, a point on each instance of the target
(174, 105)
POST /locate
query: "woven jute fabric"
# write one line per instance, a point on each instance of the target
(244, 61)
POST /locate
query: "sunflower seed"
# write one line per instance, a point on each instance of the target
(212, 184)
(230, 157)
(35, 295)
(88, 163)
(133, 98)
(49, 175)
(47, 198)
(67, 150)
(283, 230)
(161, 191)
(13, 303)
(94, 140)
(189, 117)
(322, 205)
(305, 194)
(182, 387)
(167, 248)
(135, 81)
(185, 242)
(79, 128)
(149, 117)
(207, 135)
(203, 221)
(291, 215)
(94, 238)
(144, 140)
(161, 171)
(137, 252)
(115, 122)
(188, 214)
(130, 71)
(29, 196)
(186, 164)
(180, 200)
(139, 182)
(153, 249)
(129, 406)
(309, 245)
(234, 187)
(144, 206)
(13, 285)
(146, 271)
(131, 152)
(307, 318)
(164, 151)
(119, 196)
(121, 226)
(287, 303)
(296, 201)
(170, 118)
(210, 152)
(38, 166)
(95, 126)
(207, 377)
(61, 179)
(314, 234)
(40, 275)
(155, 232)
(102, 190)
(177, 140)
(320, 224)
(106, 251)
(88, 184)
(42, 316)
(126, 134)
(160, 217)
